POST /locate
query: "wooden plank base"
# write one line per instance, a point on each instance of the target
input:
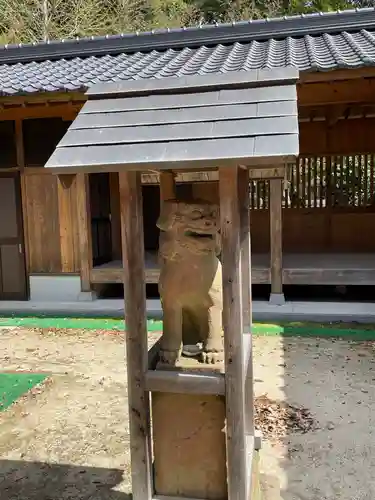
(255, 489)
(299, 269)
(185, 383)
(189, 445)
(112, 272)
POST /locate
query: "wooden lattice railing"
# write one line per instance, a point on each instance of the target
(324, 181)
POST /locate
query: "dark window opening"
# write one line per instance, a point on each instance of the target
(8, 151)
(100, 218)
(40, 137)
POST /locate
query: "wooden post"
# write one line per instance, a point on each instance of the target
(136, 332)
(277, 295)
(114, 195)
(20, 152)
(244, 198)
(84, 230)
(167, 186)
(233, 332)
(66, 216)
(244, 193)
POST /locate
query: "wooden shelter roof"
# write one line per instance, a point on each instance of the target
(239, 118)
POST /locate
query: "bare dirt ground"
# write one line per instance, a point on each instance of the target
(70, 441)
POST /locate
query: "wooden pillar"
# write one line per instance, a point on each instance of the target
(244, 199)
(233, 333)
(66, 218)
(20, 152)
(277, 295)
(114, 194)
(136, 332)
(84, 230)
(244, 193)
(167, 186)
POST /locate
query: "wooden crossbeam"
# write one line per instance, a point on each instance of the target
(338, 92)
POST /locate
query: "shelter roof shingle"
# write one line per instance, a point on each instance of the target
(239, 118)
(317, 42)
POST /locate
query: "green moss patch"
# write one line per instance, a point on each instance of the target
(14, 385)
(355, 331)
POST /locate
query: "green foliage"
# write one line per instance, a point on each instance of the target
(298, 6)
(34, 20)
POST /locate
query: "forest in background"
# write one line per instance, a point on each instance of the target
(23, 21)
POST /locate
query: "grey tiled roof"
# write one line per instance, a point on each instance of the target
(319, 52)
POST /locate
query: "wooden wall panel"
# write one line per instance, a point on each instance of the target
(206, 191)
(52, 224)
(312, 138)
(352, 136)
(260, 231)
(313, 231)
(42, 219)
(352, 232)
(344, 137)
(305, 231)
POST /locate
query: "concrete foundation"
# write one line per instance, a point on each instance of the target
(49, 288)
(277, 299)
(87, 296)
(320, 312)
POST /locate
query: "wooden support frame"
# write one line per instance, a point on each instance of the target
(114, 195)
(236, 383)
(64, 185)
(167, 186)
(84, 230)
(244, 199)
(231, 466)
(233, 333)
(167, 179)
(185, 383)
(276, 265)
(20, 152)
(136, 333)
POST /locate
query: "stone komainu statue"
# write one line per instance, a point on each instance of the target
(190, 283)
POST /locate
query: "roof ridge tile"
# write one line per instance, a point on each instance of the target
(194, 36)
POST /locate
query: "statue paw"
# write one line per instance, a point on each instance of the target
(168, 357)
(212, 357)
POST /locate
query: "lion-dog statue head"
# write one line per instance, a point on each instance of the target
(188, 226)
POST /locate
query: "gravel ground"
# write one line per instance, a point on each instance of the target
(70, 440)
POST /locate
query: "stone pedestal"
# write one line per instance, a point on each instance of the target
(189, 441)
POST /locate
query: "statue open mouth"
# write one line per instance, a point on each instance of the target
(193, 234)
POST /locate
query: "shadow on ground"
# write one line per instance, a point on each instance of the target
(41, 481)
(82, 417)
(335, 381)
